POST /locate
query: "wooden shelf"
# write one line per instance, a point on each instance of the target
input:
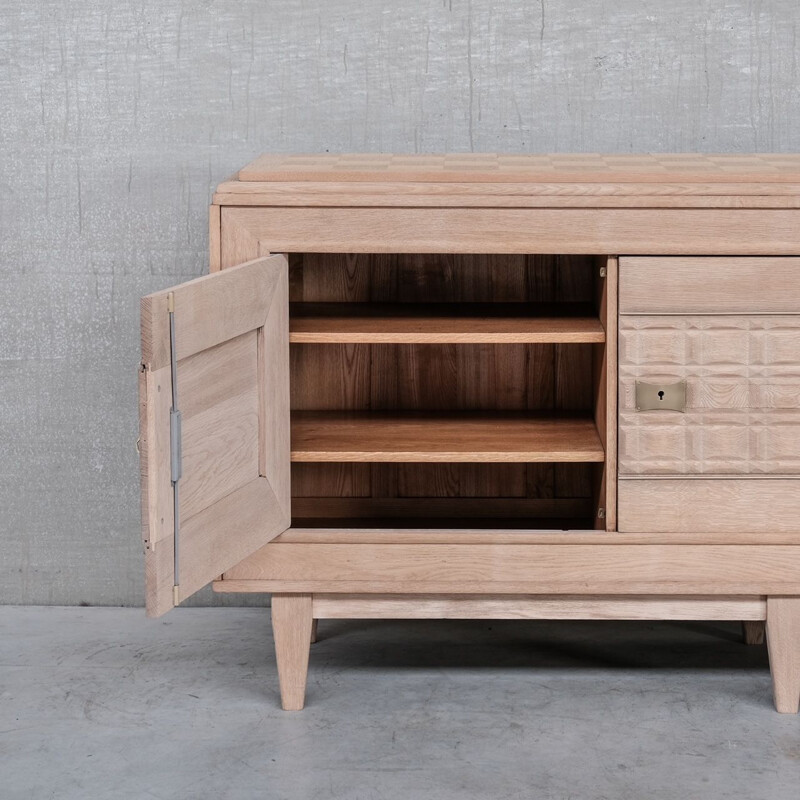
(444, 323)
(443, 436)
(390, 524)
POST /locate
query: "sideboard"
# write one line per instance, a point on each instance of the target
(484, 386)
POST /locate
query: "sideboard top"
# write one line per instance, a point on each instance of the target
(588, 180)
(509, 168)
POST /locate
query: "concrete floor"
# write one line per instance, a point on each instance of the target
(101, 703)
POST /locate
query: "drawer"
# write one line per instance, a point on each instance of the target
(742, 378)
(708, 505)
(709, 285)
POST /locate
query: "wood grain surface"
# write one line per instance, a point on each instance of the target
(675, 505)
(663, 569)
(231, 333)
(412, 436)
(464, 606)
(709, 285)
(509, 168)
(431, 323)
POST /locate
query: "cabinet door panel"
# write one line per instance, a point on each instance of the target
(231, 340)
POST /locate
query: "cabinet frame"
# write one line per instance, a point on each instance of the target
(678, 574)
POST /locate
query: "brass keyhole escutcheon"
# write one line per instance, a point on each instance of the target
(660, 397)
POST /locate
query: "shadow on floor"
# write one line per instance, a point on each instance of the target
(531, 644)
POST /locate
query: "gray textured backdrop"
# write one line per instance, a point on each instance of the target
(118, 118)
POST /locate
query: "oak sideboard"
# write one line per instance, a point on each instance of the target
(484, 386)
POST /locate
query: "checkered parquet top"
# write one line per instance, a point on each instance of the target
(555, 167)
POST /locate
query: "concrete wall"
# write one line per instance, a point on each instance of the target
(117, 119)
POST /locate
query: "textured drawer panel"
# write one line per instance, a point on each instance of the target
(742, 395)
(698, 505)
(709, 285)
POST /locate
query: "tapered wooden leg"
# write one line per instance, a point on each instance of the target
(783, 641)
(753, 631)
(314, 630)
(291, 628)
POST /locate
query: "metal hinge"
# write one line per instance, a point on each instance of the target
(175, 454)
(603, 272)
(601, 513)
(175, 449)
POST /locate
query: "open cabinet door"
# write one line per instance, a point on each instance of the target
(225, 338)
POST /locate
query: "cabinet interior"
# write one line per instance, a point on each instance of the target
(442, 390)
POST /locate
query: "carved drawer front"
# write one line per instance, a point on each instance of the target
(742, 405)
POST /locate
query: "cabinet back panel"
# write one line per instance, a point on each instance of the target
(542, 481)
(440, 278)
(428, 377)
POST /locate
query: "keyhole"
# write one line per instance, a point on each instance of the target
(661, 395)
